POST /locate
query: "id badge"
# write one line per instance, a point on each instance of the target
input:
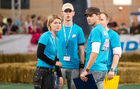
(66, 58)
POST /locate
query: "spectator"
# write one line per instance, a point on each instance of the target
(114, 26)
(2, 25)
(134, 29)
(33, 17)
(19, 21)
(39, 23)
(23, 29)
(123, 29)
(45, 28)
(138, 27)
(35, 31)
(28, 22)
(11, 28)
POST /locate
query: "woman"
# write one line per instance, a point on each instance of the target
(47, 56)
(35, 31)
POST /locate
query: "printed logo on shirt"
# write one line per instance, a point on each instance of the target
(106, 45)
(74, 35)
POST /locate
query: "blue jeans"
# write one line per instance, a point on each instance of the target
(99, 77)
(43, 79)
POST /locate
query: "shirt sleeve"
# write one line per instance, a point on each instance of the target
(43, 39)
(81, 38)
(115, 41)
(42, 56)
(95, 36)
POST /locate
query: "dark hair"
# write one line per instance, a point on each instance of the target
(9, 20)
(39, 18)
(33, 16)
(92, 10)
(112, 24)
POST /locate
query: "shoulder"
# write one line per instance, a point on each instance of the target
(113, 33)
(46, 34)
(77, 27)
(98, 28)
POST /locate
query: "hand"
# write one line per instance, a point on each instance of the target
(110, 75)
(58, 63)
(60, 82)
(83, 76)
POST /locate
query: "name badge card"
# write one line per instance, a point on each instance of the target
(66, 58)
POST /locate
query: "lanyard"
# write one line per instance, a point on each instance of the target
(66, 40)
(55, 46)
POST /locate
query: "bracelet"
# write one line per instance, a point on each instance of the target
(87, 70)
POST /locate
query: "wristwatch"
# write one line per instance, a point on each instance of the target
(112, 70)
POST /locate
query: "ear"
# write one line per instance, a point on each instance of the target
(73, 13)
(108, 20)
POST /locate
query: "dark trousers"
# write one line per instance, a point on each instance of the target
(43, 78)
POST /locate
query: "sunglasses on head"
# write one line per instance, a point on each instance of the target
(68, 10)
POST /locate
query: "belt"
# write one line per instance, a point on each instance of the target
(45, 68)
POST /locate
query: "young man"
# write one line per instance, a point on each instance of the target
(72, 39)
(114, 47)
(97, 49)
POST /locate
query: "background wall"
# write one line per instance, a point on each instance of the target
(39, 7)
(46, 7)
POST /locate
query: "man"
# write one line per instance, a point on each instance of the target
(97, 49)
(114, 47)
(72, 40)
(11, 28)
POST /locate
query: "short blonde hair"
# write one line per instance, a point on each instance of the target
(51, 18)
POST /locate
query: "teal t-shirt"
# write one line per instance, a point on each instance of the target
(50, 49)
(72, 37)
(98, 34)
(114, 42)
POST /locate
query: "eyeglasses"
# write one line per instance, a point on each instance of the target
(68, 10)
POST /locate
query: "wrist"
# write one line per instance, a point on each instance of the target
(81, 66)
(112, 70)
(86, 69)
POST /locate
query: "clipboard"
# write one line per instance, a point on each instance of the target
(90, 84)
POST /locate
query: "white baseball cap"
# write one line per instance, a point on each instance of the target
(67, 6)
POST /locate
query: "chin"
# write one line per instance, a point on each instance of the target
(89, 23)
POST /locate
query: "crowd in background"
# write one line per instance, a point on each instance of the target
(32, 24)
(28, 25)
(124, 29)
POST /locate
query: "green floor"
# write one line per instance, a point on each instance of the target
(30, 86)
